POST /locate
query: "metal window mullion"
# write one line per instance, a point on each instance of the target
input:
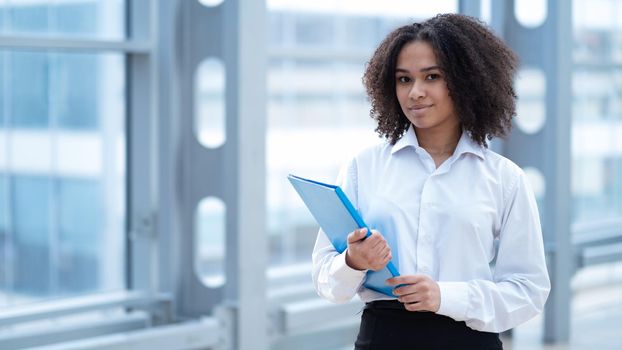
(62, 332)
(558, 155)
(246, 241)
(547, 48)
(141, 145)
(138, 46)
(81, 305)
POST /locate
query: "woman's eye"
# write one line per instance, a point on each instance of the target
(433, 76)
(403, 79)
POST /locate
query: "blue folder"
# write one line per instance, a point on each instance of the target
(335, 214)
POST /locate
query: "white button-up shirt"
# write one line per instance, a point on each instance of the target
(445, 222)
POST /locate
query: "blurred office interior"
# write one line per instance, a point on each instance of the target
(145, 144)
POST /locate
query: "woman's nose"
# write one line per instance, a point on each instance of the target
(416, 91)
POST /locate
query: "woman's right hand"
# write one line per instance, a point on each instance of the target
(371, 253)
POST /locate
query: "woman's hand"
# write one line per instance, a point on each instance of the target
(417, 292)
(371, 253)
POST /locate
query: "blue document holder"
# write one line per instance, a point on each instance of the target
(337, 217)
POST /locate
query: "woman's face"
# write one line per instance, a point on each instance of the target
(422, 90)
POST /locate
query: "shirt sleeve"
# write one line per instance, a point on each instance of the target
(333, 279)
(520, 284)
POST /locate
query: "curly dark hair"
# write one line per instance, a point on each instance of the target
(478, 66)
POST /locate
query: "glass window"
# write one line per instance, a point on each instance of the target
(81, 233)
(210, 219)
(530, 87)
(27, 101)
(209, 113)
(103, 19)
(597, 111)
(315, 30)
(362, 33)
(29, 76)
(62, 174)
(530, 13)
(31, 236)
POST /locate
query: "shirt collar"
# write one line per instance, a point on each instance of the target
(465, 144)
(409, 139)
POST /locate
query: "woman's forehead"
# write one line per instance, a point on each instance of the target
(417, 55)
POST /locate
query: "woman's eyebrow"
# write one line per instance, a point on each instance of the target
(426, 69)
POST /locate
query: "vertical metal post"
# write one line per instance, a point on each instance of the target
(548, 48)
(470, 8)
(557, 170)
(165, 28)
(247, 250)
(141, 162)
(235, 32)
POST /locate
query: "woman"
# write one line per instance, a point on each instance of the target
(439, 90)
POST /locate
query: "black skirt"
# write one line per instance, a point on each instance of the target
(386, 324)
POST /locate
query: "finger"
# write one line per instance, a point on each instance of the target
(410, 298)
(405, 279)
(404, 289)
(377, 248)
(385, 250)
(387, 257)
(357, 235)
(383, 256)
(377, 241)
(419, 306)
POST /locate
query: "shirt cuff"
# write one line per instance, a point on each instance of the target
(341, 271)
(454, 300)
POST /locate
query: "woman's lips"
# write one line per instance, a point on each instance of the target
(416, 107)
(419, 109)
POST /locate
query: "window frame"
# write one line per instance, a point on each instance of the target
(140, 55)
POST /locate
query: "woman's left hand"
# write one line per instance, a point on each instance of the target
(417, 292)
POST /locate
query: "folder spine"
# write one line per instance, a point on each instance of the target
(359, 221)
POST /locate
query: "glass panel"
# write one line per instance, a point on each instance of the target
(32, 241)
(318, 113)
(62, 174)
(597, 111)
(28, 101)
(211, 3)
(530, 13)
(538, 185)
(486, 11)
(211, 217)
(530, 106)
(103, 19)
(209, 118)
(80, 202)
